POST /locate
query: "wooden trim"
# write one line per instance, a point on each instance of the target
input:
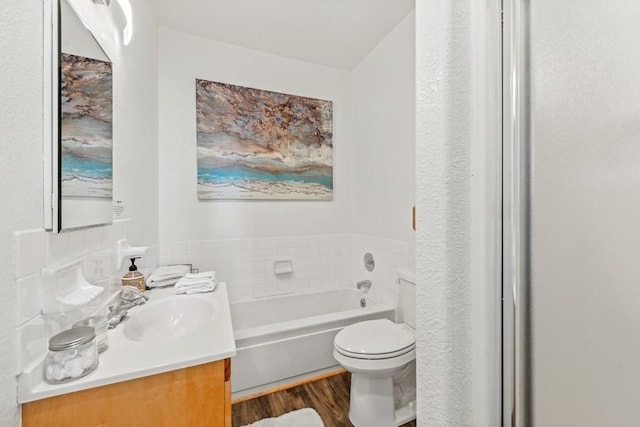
(227, 403)
(413, 217)
(227, 369)
(338, 371)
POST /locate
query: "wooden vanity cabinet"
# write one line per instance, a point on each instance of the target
(194, 397)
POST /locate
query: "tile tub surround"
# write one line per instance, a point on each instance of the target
(38, 249)
(319, 262)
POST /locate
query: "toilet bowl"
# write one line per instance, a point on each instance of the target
(374, 351)
(381, 356)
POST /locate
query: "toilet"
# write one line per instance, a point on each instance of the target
(381, 357)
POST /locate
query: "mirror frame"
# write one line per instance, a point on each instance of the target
(52, 126)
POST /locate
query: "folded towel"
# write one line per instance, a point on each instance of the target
(167, 275)
(203, 275)
(195, 285)
(163, 283)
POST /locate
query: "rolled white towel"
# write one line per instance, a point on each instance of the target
(166, 275)
(197, 289)
(202, 275)
(192, 286)
(163, 283)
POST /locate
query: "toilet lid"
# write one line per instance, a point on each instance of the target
(380, 338)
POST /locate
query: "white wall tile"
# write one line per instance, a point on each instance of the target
(30, 297)
(32, 342)
(119, 230)
(320, 262)
(37, 249)
(195, 246)
(59, 248)
(180, 258)
(98, 265)
(150, 258)
(31, 254)
(97, 238)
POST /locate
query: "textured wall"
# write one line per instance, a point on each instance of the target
(20, 166)
(443, 129)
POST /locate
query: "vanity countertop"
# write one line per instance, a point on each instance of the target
(127, 359)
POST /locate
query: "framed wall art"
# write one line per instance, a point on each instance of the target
(258, 144)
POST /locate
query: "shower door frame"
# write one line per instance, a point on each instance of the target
(516, 222)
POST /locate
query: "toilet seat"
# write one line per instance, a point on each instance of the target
(374, 340)
(375, 356)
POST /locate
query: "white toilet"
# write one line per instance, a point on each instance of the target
(381, 356)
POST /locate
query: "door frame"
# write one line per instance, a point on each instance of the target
(516, 221)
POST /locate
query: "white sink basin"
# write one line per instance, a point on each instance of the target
(168, 319)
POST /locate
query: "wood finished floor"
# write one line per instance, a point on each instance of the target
(328, 396)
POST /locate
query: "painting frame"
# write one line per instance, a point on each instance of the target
(256, 144)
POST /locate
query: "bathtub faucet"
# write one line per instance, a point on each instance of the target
(364, 285)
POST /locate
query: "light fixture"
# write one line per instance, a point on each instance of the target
(125, 6)
(127, 32)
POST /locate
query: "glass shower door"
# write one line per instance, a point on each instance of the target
(572, 212)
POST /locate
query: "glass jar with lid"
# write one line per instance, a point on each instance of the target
(72, 354)
(99, 323)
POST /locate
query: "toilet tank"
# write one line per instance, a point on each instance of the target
(407, 297)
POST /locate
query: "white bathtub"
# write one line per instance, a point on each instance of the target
(288, 336)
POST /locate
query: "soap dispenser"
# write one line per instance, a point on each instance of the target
(134, 277)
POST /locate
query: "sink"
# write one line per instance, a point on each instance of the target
(168, 319)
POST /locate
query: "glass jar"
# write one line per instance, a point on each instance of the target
(72, 354)
(99, 323)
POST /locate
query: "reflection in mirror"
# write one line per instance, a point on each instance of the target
(83, 141)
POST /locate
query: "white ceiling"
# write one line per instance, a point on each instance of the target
(335, 33)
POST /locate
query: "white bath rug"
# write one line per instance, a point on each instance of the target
(305, 417)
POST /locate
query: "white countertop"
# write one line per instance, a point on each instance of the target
(126, 359)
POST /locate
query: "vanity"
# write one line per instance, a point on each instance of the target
(168, 363)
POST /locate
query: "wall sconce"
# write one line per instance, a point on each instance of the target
(127, 31)
(125, 6)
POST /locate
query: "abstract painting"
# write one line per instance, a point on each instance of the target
(257, 144)
(86, 127)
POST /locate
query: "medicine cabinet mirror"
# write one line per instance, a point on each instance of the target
(78, 123)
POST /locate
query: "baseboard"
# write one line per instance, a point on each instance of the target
(286, 384)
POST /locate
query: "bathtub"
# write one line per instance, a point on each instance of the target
(278, 338)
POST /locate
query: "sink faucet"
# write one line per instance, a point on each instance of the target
(364, 285)
(127, 298)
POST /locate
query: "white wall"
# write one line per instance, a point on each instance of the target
(383, 165)
(135, 130)
(373, 170)
(458, 206)
(20, 167)
(135, 152)
(182, 59)
(135, 120)
(443, 331)
(37, 249)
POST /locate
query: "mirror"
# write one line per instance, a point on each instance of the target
(81, 126)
